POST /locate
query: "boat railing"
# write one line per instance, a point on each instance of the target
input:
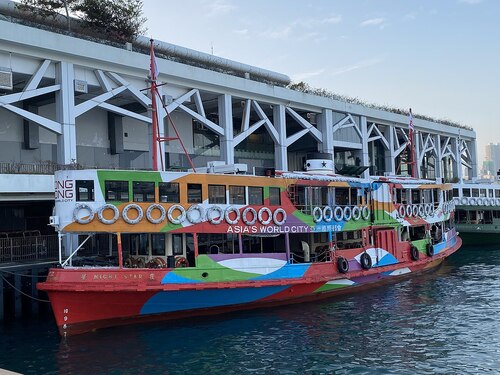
(28, 249)
(320, 257)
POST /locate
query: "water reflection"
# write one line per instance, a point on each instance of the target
(442, 322)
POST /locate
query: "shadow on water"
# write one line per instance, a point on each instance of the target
(441, 322)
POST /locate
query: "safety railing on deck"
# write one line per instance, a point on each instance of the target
(29, 249)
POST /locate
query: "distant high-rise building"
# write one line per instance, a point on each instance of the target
(492, 159)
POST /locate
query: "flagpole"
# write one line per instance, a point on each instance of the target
(412, 156)
(154, 114)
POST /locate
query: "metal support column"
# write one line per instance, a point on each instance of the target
(325, 124)
(364, 143)
(226, 122)
(280, 149)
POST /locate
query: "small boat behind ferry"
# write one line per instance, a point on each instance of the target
(185, 244)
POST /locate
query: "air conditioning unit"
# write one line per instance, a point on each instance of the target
(6, 79)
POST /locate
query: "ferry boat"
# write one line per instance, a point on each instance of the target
(189, 244)
(477, 215)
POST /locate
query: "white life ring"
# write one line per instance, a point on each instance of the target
(159, 207)
(244, 216)
(327, 214)
(228, 211)
(269, 214)
(317, 214)
(191, 209)
(215, 219)
(179, 219)
(486, 201)
(83, 206)
(472, 201)
(428, 209)
(497, 200)
(414, 210)
(347, 213)
(408, 210)
(492, 201)
(102, 219)
(338, 213)
(421, 210)
(283, 216)
(480, 201)
(140, 213)
(464, 201)
(356, 213)
(365, 213)
(402, 210)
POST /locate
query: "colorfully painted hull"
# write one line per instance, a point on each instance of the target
(85, 299)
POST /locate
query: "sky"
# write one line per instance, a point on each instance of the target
(441, 58)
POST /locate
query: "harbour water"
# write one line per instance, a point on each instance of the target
(445, 322)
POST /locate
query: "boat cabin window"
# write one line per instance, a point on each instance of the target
(354, 196)
(274, 196)
(319, 196)
(465, 192)
(255, 195)
(177, 244)
(158, 244)
(215, 243)
(435, 195)
(475, 193)
(417, 233)
(139, 244)
(84, 190)
(401, 196)
(169, 192)
(217, 194)
(194, 193)
(497, 193)
(415, 196)
(116, 190)
(490, 193)
(236, 195)
(482, 193)
(427, 195)
(143, 191)
(341, 196)
(455, 193)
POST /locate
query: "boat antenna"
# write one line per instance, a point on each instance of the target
(156, 134)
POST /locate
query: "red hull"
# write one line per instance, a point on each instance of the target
(80, 306)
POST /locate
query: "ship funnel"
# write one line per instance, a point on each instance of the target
(319, 162)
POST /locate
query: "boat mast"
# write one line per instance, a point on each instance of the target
(154, 115)
(154, 118)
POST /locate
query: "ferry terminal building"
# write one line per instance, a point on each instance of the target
(69, 100)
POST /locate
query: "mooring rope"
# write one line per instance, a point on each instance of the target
(20, 291)
(21, 274)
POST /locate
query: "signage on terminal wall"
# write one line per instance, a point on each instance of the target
(64, 190)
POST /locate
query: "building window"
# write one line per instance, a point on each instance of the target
(85, 190)
(236, 195)
(274, 196)
(143, 191)
(169, 192)
(116, 190)
(194, 193)
(217, 194)
(255, 195)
